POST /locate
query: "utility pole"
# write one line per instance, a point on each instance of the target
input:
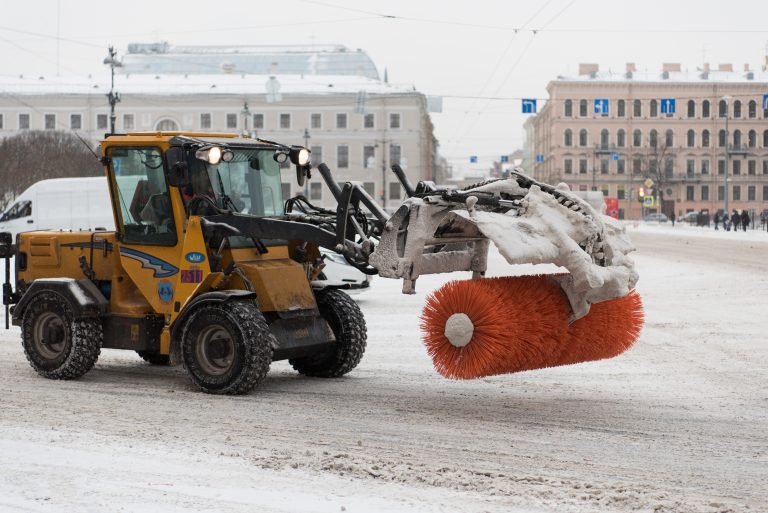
(727, 154)
(113, 96)
(383, 173)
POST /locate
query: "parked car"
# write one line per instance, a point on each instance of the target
(689, 217)
(656, 218)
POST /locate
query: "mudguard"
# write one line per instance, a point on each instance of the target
(82, 296)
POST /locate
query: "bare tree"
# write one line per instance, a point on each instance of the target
(36, 155)
(658, 165)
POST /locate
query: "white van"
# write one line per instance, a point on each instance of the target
(61, 204)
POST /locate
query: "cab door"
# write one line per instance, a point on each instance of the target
(149, 243)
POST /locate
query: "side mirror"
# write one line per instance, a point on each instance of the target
(177, 170)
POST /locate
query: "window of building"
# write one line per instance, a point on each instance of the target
(705, 109)
(316, 155)
(604, 189)
(75, 121)
(604, 138)
(691, 109)
(705, 138)
(653, 166)
(765, 167)
(765, 138)
(720, 193)
(620, 192)
(369, 121)
(721, 138)
(653, 138)
(690, 166)
(394, 120)
(583, 108)
(316, 120)
(205, 121)
(690, 138)
(751, 167)
(720, 167)
(369, 156)
(101, 121)
(582, 166)
(583, 137)
(621, 166)
(705, 167)
(751, 193)
(737, 138)
(341, 120)
(315, 191)
(128, 122)
(1, 121)
(568, 166)
(752, 109)
(722, 109)
(568, 137)
(370, 188)
(621, 108)
(669, 167)
(737, 193)
(637, 166)
(669, 138)
(394, 190)
(621, 138)
(765, 192)
(568, 109)
(231, 121)
(705, 193)
(654, 108)
(167, 125)
(736, 167)
(258, 121)
(395, 154)
(752, 139)
(342, 156)
(637, 108)
(737, 109)
(637, 138)
(604, 166)
(689, 192)
(285, 121)
(50, 121)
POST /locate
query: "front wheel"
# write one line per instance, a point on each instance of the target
(227, 347)
(348, 324)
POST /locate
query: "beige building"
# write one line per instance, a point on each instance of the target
(330, 98)
(613, 131)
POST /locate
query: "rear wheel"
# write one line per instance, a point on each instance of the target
(227, 347)
(348, 324)
(154, 358)
(57, 345)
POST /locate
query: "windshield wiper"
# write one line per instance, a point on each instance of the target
(225, 199)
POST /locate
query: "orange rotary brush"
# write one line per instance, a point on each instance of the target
(476, 328)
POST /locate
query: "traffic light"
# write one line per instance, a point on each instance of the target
(640, 194)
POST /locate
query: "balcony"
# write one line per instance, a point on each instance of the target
(602, 149)
(740, 149)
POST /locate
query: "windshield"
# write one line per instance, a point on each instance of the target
(249, 183)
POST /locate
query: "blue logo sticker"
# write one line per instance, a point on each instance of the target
(195, 257)
(165, 291)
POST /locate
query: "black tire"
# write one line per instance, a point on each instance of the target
(154, 358)
(227, 347)
(348, 324)
(57, 345)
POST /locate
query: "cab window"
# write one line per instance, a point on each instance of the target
(146, 216)
(17, 211)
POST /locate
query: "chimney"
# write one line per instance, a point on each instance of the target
(631, 68)
(671, 67)
(725, 67)
(588, 69)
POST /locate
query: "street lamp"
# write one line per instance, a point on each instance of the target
(726, 99)
(113, 96)
(306, 145)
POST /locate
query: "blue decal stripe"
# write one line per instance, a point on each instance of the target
(161, 268)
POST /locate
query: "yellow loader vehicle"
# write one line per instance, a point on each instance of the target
(210, 267)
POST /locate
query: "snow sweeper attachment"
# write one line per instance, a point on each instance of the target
(482, 326)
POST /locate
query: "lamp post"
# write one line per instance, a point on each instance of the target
(306, 145)
(726, 99)
(112, 96)
(246, 112)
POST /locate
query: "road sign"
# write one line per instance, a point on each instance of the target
(648, 201)
(505, 159)
(601, 106)
(473, 159)
(648, 182)
(529, 105)
(614, 156)
(765, 101)
(667, 105)
(539, 157)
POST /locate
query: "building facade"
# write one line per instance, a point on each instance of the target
(332, 101)
(618, 133)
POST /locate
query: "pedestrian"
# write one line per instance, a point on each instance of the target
(735, 220)
(745, 219)
(726, 222)
(717, 219)
(673, 219)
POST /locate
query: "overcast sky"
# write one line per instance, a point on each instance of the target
(462, 50)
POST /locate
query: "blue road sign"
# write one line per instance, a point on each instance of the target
(648, 201)
(505, 159)
(529, 105)
(601, 106)
(473, 159)
(614, 156)
(539, 157)
(765, 101)
(667, 105)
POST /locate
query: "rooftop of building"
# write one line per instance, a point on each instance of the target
(669, 72)
(164, 58)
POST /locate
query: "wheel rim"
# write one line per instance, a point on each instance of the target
(50, 336)
(215, 350)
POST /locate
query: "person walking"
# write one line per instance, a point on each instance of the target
(717, 220)
(735, 220)
(726, 222)
(744, 219)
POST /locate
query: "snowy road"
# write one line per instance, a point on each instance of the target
(678, 424)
